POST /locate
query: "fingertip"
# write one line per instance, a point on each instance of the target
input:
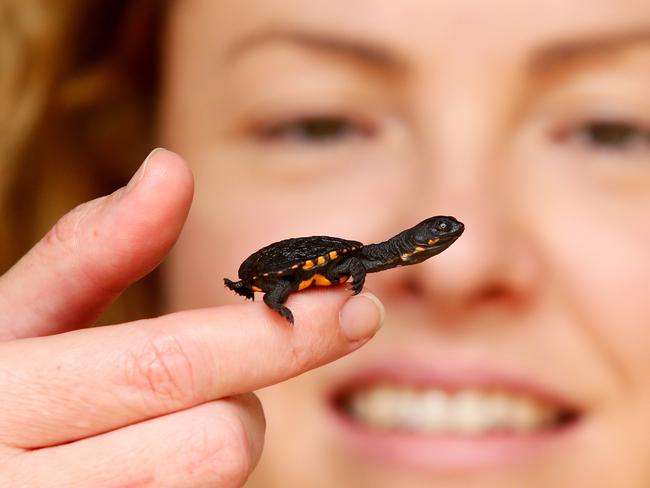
(361, 316)
(156, 201)
(358, 317)
(163, 166)
(139, 174)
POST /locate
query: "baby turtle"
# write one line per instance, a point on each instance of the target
(294, 264)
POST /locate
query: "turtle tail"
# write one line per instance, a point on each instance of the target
(240, 288)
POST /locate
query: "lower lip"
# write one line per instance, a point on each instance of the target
(441, 452)
(445, 452)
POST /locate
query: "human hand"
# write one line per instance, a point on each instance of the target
(158, 402)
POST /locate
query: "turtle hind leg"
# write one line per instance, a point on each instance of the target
(240, 288)
(276, 295)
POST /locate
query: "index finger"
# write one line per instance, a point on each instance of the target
(81, 383)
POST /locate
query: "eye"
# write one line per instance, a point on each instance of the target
(319, 129)
(441, 225)
(612, 135)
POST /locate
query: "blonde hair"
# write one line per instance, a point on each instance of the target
(77, 101)
(29, 32)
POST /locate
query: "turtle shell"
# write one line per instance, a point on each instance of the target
(282, 255)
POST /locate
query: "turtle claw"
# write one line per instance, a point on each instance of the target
(286, 313)
(276, 297)
(358, 272)
(239, 288)
(356, 287)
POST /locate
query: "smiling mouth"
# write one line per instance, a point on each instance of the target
(464, 412)
(449, 415)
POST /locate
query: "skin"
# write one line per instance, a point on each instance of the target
(158, 402)
(481, 110)
(552, 270)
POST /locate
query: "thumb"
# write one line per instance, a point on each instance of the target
(97, 250)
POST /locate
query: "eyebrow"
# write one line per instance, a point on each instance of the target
(571, 50)
(359, 50)
(374, 54)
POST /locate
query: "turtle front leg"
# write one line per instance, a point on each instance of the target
(350, 267)
(277, 294)
(358, 273)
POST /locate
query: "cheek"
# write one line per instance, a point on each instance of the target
(592, 227)
(604, 276)
(611, 277)
(597, 265)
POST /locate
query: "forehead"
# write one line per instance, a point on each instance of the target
(418, 30)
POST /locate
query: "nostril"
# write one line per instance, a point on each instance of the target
(405, 288)
(497, 295)
(412, 286)
(494, 293)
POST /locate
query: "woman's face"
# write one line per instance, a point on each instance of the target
(518, 357)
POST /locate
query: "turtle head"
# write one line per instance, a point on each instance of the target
(431, 237)
(435, 230)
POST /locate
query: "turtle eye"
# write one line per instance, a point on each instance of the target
(441, 225)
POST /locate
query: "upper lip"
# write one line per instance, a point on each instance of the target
(452, 376)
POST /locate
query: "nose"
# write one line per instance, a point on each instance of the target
(490, 265)
(493, 264)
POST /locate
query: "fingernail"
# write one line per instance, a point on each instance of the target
(361, 316)
(133, 182)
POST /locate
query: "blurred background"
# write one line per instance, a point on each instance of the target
(77, 92)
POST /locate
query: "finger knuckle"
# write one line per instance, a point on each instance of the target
(66, 232)
(162, 368)
(305, 355)
(300, 356)
(64, 235)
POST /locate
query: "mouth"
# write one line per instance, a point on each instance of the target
(432, 247)
(460, 420)
(443, 242)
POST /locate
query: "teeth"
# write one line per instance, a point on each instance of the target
(465, 412)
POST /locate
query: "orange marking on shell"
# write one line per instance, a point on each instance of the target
(345, 250)
(343, 279)
(295, 266)
(305, 284)
(354, 248)
(433, 241)
(320, 280)
(419, 249)
(265, 274)
(256, 288)
(308, 264)
(320, 260)
(333, 255)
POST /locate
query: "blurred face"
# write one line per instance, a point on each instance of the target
(518, 357)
